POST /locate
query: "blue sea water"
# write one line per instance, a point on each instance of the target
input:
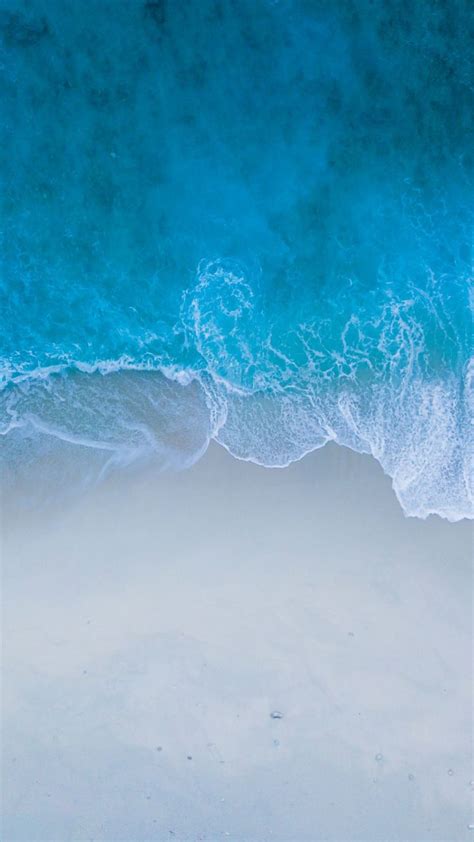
(242, 221)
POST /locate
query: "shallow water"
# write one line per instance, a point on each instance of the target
(270, 201)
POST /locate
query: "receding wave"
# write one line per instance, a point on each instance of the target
(267, 396)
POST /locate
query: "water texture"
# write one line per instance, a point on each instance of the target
(242, 221)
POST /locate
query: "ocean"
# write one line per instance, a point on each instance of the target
(248, 222)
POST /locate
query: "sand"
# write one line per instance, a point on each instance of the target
(153, 625)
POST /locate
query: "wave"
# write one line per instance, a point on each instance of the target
(269, 396)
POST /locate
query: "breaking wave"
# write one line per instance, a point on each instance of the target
(267, 395)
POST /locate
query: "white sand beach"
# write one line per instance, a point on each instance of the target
(152, 627)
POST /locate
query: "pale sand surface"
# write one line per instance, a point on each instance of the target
(165, 616)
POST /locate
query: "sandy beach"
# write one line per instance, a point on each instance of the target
(237, 652)
(236, 234)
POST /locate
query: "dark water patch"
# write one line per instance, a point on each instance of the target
(18, 30)
(155, 12)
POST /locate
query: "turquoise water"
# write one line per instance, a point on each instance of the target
(241, 221)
